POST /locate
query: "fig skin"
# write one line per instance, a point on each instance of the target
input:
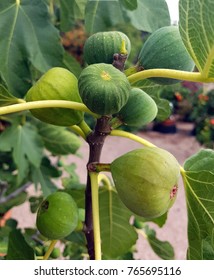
(57, 216)
(146, 180)
(56, 84)
(139, 110)
(101, 46)
(103, 88)
(165, 49)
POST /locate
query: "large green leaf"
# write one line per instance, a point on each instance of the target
(196, 21)
(27, 35)
(199, 187)
(26, 145)
(59, 140)
(117, 235)
(146, 15)
(99, 15)
(18, 248)
(129, 4)
(70, 11)
(150, 15)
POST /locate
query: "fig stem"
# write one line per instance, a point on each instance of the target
(85, 128)
(99, 167)
(95, 213)
(103, 178)
(140, 140)
(50, 249)
(95, 141)
(78, 130)
(169, 73)
(131, 136)
(46, 104)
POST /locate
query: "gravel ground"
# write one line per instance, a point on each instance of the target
(181, 145)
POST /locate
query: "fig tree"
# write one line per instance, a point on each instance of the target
(146, 180)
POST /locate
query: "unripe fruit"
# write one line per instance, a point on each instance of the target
(56, 84)
(103, 88)
(101, 46)
(54, 254)
(57, 216)
(139, 110)
(146, 180)
(165, 49)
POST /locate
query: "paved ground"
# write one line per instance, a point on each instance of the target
(181, 145)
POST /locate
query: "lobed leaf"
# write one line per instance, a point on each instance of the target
(26, 146)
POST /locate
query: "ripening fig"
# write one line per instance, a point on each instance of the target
(57, 216)
(139, 110)
(56, 84)
(146, 180)
(103, 88)
(101, 46)
(165, 49)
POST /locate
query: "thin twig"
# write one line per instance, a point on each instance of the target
(15, 193)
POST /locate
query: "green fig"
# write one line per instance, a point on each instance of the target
(165, 49)
(56, 84)
(146, 180)
(139, 110)
(103, 88)
(101, 46)
(57, 216)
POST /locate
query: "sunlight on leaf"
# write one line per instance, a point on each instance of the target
(196, 24)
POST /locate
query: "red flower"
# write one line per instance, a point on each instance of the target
(178, 96)
(212, 121)
(203, 97)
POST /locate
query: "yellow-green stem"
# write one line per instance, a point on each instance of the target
(50, 249)
(103, 178)
(95, 211)
(84, 127)
(169, 73)
(141, 232)
(140, 140)
(45, 104)
(131, 136)
(78, 130)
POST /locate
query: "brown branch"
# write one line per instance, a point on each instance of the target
(95, 140)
